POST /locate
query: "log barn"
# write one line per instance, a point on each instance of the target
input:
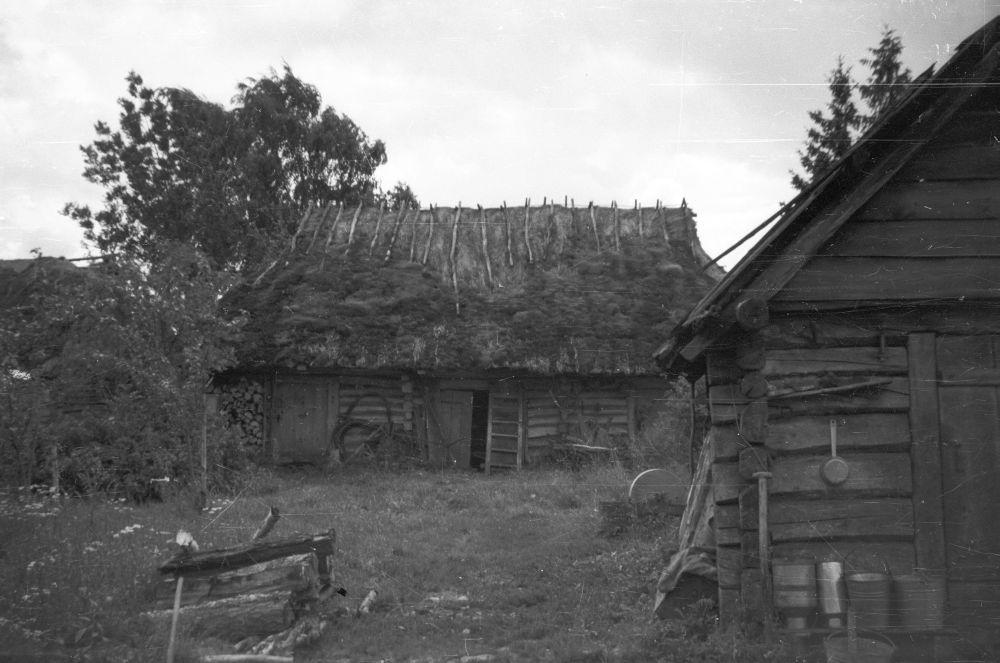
(865, 323)
(482, 337)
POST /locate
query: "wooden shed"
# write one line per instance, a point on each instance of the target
(869, 312)
(484, 337)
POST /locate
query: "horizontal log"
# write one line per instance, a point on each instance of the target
(726, 442)
(877, 474)
(864, 327)
(728, 536)
(888, 430)
(726, 403)
(227, 559)
(815, 361)
(820, 520)
(289, 575)
(886, 279)
(727, 515)
(964, 199)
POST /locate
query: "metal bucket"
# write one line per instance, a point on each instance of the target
(867, 648)
(921, 600)
(869, 596)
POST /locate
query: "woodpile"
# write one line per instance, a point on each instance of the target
(242, 405)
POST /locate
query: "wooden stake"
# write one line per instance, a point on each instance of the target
(506, 222)
(302, 224)
(171, 644)
(763, 541)
(430, 235)
(354, 223)
(451, 255)
(593, 223)
(269, 522)
(638, 212)
(400, 217)
(413, 236)
(527, 217)
(486, 247)
(378, 229)
(615, 225)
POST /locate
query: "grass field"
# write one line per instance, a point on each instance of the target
(510, 567)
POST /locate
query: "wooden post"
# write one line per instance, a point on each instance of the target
(354, 224)
(638, 214)
(506, 221)
(925, 453)
(319, 226)
(413, 235)
(593, 223)
(171, 645)
(527, 218)
(763, 544)
(615, 225)
(452, 253)
(486, 247)
(430, 235)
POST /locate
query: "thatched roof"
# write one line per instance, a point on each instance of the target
(546, 289)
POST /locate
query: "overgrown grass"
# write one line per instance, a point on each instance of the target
(510, 565)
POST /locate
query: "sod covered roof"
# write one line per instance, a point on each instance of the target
(543, 290)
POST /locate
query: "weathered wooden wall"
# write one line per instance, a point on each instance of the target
(300, 412)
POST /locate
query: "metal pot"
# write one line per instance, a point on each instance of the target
(834, 470)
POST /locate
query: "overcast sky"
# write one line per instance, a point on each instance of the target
(477, 101)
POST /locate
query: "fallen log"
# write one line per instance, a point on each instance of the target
(211, 562)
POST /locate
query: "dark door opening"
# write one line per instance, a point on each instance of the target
(480, 424)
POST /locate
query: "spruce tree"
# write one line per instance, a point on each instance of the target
(832, 134)
(888, 78)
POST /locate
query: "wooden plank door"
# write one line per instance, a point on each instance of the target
(505, 433)
(455, 415)
(300, 421)
(969, 396)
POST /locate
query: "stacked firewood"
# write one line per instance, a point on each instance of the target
(242, 404)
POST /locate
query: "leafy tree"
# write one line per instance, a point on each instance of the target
(887, 79)
(832, 134)
(113, 359)
(228, 181)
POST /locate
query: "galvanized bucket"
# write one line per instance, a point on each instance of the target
(869, 596)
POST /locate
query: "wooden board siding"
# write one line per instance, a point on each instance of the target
(970, 469)
(894, 279)
(300, 420)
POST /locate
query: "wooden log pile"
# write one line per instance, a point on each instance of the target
(242, 404)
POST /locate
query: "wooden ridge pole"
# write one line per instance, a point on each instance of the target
(354, 224)
(413, 236)
(486, 247)
(593, 224)
(378, 229)
(453, 252)
(430, 234)
(506, 222)
(527, 218)
(400, 217)
(616, 225)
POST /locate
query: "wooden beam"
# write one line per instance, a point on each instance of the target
(925, 429)
(211, 562)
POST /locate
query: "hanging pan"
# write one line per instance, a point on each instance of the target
(835, 469)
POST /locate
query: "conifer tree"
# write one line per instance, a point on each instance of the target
(832, 133)
(888, 78)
